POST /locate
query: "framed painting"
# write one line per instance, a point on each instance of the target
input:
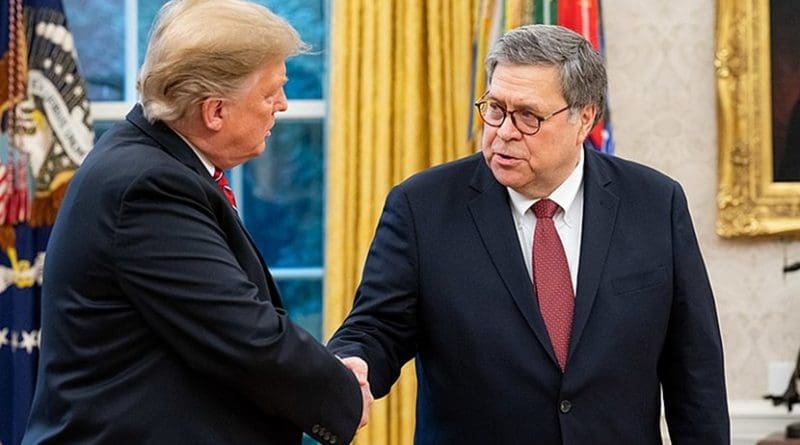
(757, 65)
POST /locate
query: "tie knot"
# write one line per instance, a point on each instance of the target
(544, 208)
(218, 174)
(222, 182)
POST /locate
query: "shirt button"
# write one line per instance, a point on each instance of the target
(565, 406)
(315, 429)
(333, 439)
(327, 436)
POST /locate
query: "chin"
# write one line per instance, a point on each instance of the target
(505, 178)
(511, 178)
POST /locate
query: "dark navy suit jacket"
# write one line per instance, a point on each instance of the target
(445, 281)
(160, 321)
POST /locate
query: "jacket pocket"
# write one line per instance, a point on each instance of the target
(639, 281)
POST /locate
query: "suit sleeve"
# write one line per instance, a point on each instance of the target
(691, 365)
(382, 326)
(174, 264)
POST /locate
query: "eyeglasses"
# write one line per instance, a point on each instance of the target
(526, 121)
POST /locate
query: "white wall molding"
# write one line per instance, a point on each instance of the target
(752, 420)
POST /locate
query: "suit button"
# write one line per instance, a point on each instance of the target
(565, 406)
(315, 429)
(327, 436)
(334, 439)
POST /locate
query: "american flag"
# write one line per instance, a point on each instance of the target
(46, 132)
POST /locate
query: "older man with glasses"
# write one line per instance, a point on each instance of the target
(550, 294)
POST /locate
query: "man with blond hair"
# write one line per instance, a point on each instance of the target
(160, 321)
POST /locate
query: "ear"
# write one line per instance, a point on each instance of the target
(587, 116)
(212, 112)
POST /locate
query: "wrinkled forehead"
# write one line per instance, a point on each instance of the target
(526, 84)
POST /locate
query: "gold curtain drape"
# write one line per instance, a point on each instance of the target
(400, 101)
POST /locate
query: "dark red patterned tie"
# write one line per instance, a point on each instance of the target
(222, 182)
(552, 279)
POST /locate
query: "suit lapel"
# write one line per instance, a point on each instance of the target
(492, 216)
(599, 216)
(262, 272)
(169, 141)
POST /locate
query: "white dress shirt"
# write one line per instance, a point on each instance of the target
(568, 220)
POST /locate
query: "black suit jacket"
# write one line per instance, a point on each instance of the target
(445, 281)
(160, 321)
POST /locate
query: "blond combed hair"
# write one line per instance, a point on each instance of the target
(208, 48)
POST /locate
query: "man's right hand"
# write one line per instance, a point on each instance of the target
(361, 371)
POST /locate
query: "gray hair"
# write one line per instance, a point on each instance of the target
(583, 75)
(208, 48)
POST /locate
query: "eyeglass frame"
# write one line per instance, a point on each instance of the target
(539, 120)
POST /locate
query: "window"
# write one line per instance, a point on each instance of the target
(281, 194)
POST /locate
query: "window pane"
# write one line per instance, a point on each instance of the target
(282, 195)
(145, 14)
(98, 29)
(306, 73)
(303, 301)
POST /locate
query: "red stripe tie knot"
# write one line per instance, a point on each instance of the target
(222, 182)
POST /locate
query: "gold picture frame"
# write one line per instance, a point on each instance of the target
(749, 201)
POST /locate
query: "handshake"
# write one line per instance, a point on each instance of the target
(361, 371)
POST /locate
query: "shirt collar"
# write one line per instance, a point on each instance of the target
(203, 159)
(564, 195)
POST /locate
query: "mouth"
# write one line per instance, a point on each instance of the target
(505, 160)
(505, 157)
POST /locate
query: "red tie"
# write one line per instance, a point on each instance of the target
(222, 182)
(551, 279)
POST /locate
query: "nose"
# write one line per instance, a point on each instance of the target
(281, 104)
(507, 130)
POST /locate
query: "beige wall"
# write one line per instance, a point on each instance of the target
(663, 102)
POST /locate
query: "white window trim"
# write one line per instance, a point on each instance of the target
(299, 109)
(131, 48)
(297, 273)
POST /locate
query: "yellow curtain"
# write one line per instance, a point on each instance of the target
(400, 101)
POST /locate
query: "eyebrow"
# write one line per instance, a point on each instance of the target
(525, 106)
(274, 87)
